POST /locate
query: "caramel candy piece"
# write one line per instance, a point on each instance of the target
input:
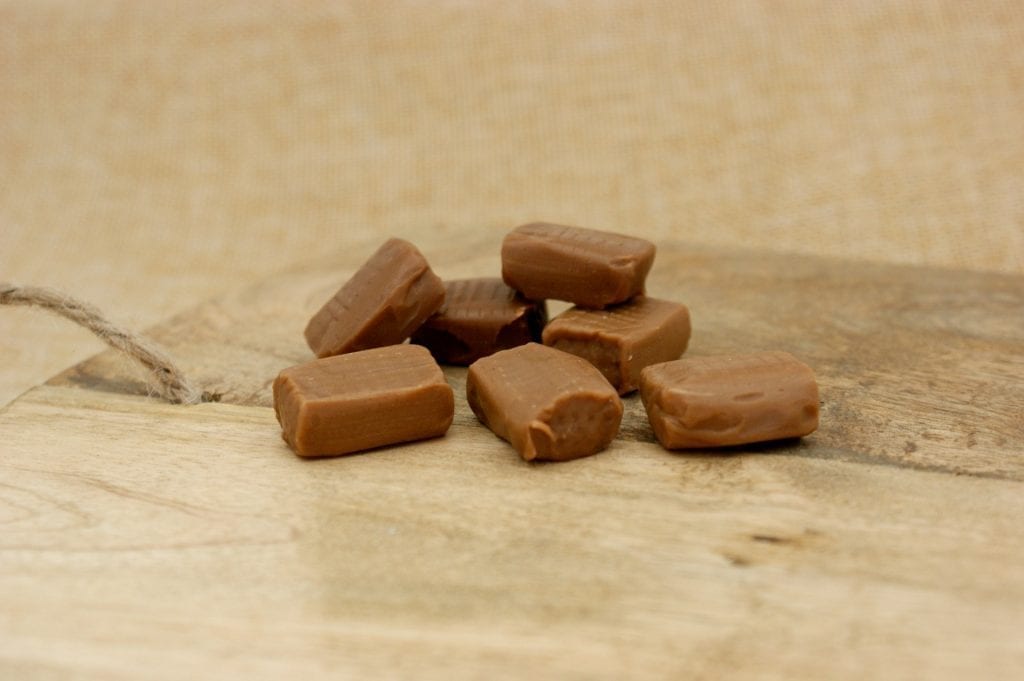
(730, 399)
(480, 317)
(382, 304)
(550, 405)
(362, 400)
(621, 340)
(584, 266)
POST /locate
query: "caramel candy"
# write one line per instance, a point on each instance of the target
(730, 399)
(550, 405)
(362, 400)
(480, 317)
(382, 304)
(621, 340)
(584, 266)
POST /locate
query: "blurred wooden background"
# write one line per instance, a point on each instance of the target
(154, 153)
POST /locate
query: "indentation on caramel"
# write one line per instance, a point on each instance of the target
(541, 441)
(717, 422)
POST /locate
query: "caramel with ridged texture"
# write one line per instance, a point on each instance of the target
(479, 317)
(362, 400)
(382, 304)
(730, 399)
(587, 267)
(549, 405)
(623, 339)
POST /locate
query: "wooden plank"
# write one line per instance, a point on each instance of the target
(144, 539)
(129, 547)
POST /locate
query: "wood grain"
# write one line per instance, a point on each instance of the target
(139, 539)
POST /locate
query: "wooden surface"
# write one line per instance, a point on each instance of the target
(139, 539)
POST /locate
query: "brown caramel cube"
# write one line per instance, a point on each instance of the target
(480, 317)
(730, 399)
(621, 340)
(548, 404)
(382, 304)
(583, 266)
(362, 400)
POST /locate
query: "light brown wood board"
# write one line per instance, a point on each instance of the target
(140, 539)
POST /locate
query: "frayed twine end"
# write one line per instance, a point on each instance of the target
(171, 384)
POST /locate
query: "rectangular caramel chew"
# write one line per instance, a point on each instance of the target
(583, 266)
(623, 339)
(361, 400)
(382, 304)
(548, 404)
(730, 399)
(479, 317)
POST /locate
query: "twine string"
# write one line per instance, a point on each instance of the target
(168, 378)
